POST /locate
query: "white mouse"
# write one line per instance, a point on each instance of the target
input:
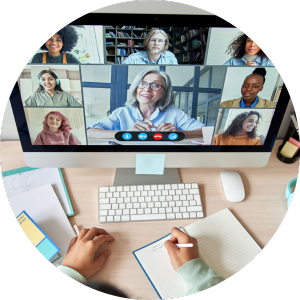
(233, 186)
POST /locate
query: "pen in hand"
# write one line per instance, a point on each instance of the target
(190, 245)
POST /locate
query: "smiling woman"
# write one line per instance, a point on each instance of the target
(56, 131)
(246, 52)
(49, 92)
(57, 46)
(242, 131)
(150, 107)
(252, 85)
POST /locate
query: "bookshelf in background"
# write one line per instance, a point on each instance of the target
(121, 41)
(190, 44)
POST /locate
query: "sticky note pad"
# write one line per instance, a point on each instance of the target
(153, 164)
(294, 142)
(289, 150)
(36, 235)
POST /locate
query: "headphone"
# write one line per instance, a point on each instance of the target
(38, 77)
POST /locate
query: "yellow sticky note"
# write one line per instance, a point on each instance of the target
(32, 232)
(288, 150)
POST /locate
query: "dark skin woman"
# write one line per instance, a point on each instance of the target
(57, 47)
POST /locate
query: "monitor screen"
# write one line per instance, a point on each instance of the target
(152, 85)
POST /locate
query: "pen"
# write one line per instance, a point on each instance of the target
(185, 245)
(76, 229)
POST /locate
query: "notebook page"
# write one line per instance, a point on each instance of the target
(155, 261)
(223, 242)
(26, 179)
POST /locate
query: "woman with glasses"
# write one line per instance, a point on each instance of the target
(148, 108)
(156, 44)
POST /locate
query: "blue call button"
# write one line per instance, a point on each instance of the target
(173, 136)
(127, 136)
(142, 136)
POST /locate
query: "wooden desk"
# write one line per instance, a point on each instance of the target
(260, 213)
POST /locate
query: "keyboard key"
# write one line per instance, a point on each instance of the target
(141, 199)
(125, 218)
(151, 204)
(126, 188)
(171, 216)
(194, 191)
(178, 216)
(144, 193)
(133, 188)
(109, 195)
(162, 198)
(157, 204)
(137, 194)
(164, 193)
(110, 219)
(200, 215)
(154, 210)
(193, 215)
(149, 217)
(174, 187)
(176, 197)
(190, 197)
(181, 186)
(116, 194)
(175, 209)
(169, 209)
(165, 204)
(122, 206)
(111, 212)
(140, 187)
(113, 200)
(182, 197)
(126, 200)
(154, 198)
(147, 199)
(169, 198)
(134, 199)
(105, 206)
(115, 206)
(153, 187)
(172, 192)
(185, 192)
(167, 186)
(182, 209)
(112, 188)
(119, 189)
(185, 203)
(151, 193)
(102, 219)
(194, 208)
(143, 205)
(129, 205)
(102, 195)
(133, 211)
(136, 205)
(104, 201)
(171, 203)
(188, 186)
(123, 194)
(178, 192)
(147, 187)
(118, 212)
(147, 211)
(125, 212)
(140, 211)
(185, 215)
(178, 203)
(193, 202)
(117, 218)
(157, 193)
(103, 189)
(160, 187)
(162, 210)
(103, 212)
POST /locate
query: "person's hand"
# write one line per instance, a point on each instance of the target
(139, 126)
(251, 63)
(180, 256)
(166, 127)
(81, 253)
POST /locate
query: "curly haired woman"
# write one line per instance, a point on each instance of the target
(242, 131)
(245, 52)
(57, 131)
(60, 43)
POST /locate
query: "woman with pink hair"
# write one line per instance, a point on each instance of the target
(57, 131)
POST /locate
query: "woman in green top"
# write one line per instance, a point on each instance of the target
(60, 43)
(49, 92)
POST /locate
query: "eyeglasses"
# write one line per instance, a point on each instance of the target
(156, 41)
(154, 86)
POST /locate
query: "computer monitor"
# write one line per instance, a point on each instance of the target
(200, 117)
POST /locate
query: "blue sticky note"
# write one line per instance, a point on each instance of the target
(153, 164)
(47, 248)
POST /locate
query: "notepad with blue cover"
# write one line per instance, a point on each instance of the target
(37, 236)
(20, 180)
(223, 243)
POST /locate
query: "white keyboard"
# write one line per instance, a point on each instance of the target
(149, 202)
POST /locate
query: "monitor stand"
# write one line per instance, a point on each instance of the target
(128, 177)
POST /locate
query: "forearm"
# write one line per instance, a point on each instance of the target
(73, 274)
(198, 276)
(190, 134)
(97, 133)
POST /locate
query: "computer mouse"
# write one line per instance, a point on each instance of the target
(233, 186)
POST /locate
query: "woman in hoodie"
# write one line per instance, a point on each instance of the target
(57, 131)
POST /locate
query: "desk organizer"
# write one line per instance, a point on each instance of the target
(284, 159)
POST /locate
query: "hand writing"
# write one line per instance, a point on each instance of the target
(180, 256)
(82, 249)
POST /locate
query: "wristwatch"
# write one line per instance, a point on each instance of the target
(288, 192)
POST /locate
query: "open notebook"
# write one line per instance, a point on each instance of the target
(223, 243)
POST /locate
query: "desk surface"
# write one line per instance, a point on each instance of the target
(260, 213)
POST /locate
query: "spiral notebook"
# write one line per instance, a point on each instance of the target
(223, 243)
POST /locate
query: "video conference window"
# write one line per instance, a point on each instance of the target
(51, 86)
(250, 87)
(242, 126)
(56, 126)
(154, 99)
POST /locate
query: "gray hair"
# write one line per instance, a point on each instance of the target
(162, 103)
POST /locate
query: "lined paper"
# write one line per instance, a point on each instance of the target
(155, 261)
(223, 243)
